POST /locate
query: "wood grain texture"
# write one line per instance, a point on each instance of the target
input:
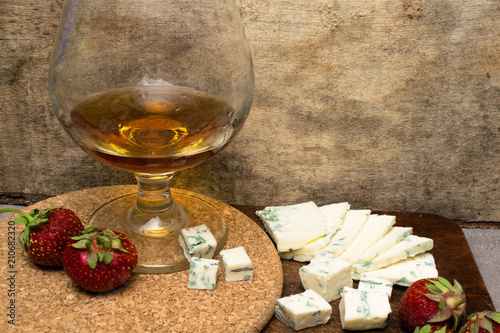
(454, 260)
(391, 104)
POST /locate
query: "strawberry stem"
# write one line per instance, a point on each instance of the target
(12, 210)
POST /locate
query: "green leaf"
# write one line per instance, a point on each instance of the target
(26, 237)
(445, 283)
(487, 325)
(440, 286)
(104, 241)
(441, 330)
(88, 229)
(494, 316)
(108, 257)
(82, 236)
(117, 244)
(21, 220)
(92, 260)
(100, 255)
(21, 242)
(458, 286)
(81, 244)
(433, 289)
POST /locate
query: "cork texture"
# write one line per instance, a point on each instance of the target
(390, 104)
(48, 301)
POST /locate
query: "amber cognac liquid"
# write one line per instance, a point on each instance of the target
(152, 129)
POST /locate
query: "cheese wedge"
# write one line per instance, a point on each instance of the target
(375, 228)
(405, 272)
(353, 223)
(334, 214)
(408, 247)
(292, 227)
(394, 236)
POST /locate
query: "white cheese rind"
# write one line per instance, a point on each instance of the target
(408, 247)
(236, 264)
(292, 227)
(353, 223)
(394, 236)
(405, 272)
(368, 283)
(364, 310)
(198, 242)
(203, 273)
(327, 275)
(374, 229)
(307, 309)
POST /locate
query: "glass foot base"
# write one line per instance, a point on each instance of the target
(159, 253)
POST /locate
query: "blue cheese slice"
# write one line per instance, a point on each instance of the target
(368, 283)
(203, 273)
(198, 242)
(327, 275)
(394, 236)
(405, 272)
(353, 223)
(304, 310)
(408, 247)
(375, 228)
(364, 310)
(292, 227)
(334, 214)
(236, 264)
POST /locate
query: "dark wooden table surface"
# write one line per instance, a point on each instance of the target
(454, 260)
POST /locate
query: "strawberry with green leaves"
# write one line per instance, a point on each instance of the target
(432, 301)
(433, 328)
(100, 259)
(46, 233)
(482, 322)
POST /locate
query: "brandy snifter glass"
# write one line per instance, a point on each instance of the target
(152, 87)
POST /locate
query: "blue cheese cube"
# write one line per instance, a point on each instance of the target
(236, 264)
(304, 310)
(197, 242)
(327, 275)
(364, 310)
(368, 283)
(203, 273)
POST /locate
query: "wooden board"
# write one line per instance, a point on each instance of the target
(453, 258)
(46, 300)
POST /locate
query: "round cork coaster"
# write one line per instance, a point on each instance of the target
(45, 299)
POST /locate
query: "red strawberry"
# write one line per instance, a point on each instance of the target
(433, 328)
(482, 322)
(433, 301)
(100, 259)
(46, 234)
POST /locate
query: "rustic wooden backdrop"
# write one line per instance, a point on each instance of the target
(387, 104)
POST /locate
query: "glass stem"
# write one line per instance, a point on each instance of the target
(154, 192)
